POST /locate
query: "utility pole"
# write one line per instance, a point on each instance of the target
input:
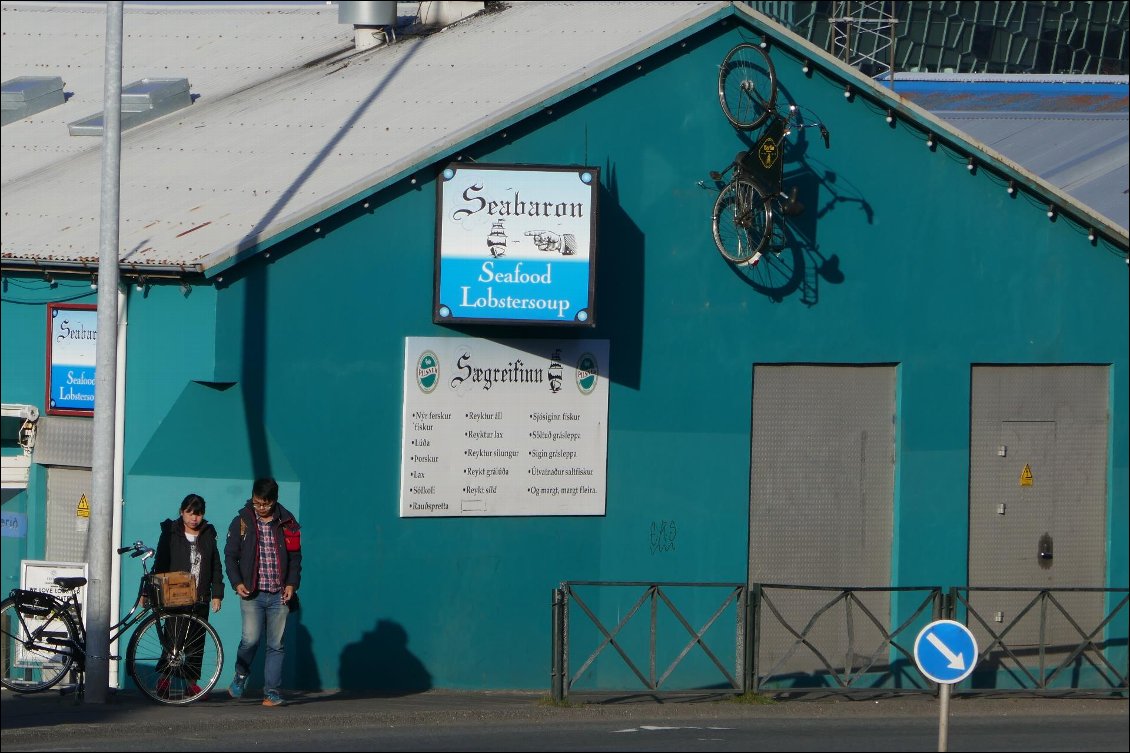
(99, 546)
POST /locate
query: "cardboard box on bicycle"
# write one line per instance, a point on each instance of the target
(176, 589)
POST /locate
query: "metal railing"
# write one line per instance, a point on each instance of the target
(814, 627)
(834, 621)
(654, 594)
(1051, 661)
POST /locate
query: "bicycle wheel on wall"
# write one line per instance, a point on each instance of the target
(175, 658)
(742, 222)
(35, 653)
(747, 86)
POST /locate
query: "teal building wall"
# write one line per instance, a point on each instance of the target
(291, 363)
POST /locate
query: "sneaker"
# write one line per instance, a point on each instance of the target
(235, 690)
(194, 690)
(163, 687)
(272, 698)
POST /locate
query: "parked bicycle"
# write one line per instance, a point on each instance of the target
(743, 215)
(174, 657)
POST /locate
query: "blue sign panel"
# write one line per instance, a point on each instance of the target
(13, 524)
(516, 244)
(72, 343)
(945, 651)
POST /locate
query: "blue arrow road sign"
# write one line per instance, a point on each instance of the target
(945, 651)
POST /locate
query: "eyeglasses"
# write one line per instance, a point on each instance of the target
(262, 503)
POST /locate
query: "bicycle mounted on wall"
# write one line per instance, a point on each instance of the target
(743, 216)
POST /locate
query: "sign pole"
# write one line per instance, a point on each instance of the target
(943, 716)
(99, 545)
(945, 652)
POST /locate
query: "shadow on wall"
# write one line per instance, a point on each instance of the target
(381, 661)
(303, 665)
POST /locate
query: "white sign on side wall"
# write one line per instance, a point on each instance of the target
(512, 427)
(39, 575)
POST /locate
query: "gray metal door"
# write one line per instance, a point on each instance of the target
(68, 497)
(1037, 502)
(821, 498)
(64, 445)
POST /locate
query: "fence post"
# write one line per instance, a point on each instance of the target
(753, 636)
(557, 680)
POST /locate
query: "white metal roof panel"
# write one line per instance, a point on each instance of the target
(221, 49)
(276, 141)
(281, 141)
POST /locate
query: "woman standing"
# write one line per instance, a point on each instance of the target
(188, 543)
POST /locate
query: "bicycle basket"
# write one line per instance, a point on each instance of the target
(167, 590)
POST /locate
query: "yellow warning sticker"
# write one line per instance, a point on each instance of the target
(1026, 475)
(83, 509)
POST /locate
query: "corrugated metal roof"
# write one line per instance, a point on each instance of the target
(1072, 132)
(221, 49)
(291, 121)
(274, 139)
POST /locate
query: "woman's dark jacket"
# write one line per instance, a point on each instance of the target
(173, 554)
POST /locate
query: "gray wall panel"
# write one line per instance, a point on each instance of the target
(821, 489)
(66, 531)
(63, 440)
(1052, 419)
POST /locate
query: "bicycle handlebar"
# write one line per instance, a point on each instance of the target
(137, 549)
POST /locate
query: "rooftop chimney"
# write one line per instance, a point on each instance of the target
(374, 23)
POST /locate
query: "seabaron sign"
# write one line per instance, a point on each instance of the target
(516, 244)
(72, 342)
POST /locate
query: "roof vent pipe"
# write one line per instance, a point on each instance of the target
(374, 23)
(447, 12)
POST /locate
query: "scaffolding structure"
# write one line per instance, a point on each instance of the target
(976, 36)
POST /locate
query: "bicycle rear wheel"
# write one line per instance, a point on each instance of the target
(747, 86)
(742, 222)
(175, 658)
(36, 652)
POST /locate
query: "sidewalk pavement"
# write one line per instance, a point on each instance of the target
(51, 714)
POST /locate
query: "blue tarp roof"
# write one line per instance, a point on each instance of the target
(1073, 133)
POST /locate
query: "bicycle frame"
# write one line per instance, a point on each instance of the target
(763, 163)
(174, 656)
(69, 604)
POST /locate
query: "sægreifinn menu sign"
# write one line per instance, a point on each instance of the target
(504, 427)
(516, 244)
(72, 344)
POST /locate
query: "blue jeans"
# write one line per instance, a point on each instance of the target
(263, 609)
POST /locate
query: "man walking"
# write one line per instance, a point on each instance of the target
(263, 555)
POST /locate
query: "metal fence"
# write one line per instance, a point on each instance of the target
(839, 639)
(1046, 647)
(654, 594)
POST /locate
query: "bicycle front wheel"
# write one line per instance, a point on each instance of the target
(38, 646)
(175, 658)
(747, 86)
(742, 222)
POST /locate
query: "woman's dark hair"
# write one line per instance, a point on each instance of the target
(193, 503)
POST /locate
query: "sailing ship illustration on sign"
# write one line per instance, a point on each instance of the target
(496, 239)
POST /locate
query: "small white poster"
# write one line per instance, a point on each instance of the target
(513, 427)
(39, 575)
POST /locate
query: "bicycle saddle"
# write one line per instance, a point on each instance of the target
(69, 584)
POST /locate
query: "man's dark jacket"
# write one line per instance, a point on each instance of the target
(241, 551)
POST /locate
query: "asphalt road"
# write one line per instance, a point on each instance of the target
(449, 721)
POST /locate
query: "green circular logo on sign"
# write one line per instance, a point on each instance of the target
(586, 373)
(427, 371)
